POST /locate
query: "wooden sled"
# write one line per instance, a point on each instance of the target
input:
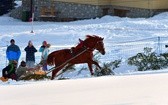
(40, 72)
(36, 75)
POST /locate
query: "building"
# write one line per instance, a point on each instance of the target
(67, 10)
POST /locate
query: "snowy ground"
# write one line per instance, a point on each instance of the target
(110, 90)
(123, 37)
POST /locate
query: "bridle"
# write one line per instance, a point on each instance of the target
(94, 47)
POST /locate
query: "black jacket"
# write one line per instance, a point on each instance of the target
(8, 71)
(30, 53)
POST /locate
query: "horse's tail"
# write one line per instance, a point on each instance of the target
(51, 59)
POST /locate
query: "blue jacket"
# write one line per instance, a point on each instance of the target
(41, 48)
(13, 52)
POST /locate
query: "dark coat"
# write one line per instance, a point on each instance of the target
(9, 72)
(30, 53)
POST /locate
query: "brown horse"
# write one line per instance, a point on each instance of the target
(82, 53)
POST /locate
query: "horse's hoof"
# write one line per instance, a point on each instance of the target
(52, 78)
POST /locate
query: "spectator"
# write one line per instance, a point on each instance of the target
(9, 71)
(13, 52)
(44, 44)
(45, 51)
(30, 55)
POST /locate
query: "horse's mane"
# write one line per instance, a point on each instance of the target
(87, 40)
(92, 37)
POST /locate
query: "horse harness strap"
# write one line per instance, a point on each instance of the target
(72, 50)
(67, 61)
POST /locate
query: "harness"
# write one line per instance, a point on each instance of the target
(66, 61)
(85, 49)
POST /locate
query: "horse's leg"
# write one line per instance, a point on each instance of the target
(90, 68)
(94, 62)
(68, 66)
(56, 71)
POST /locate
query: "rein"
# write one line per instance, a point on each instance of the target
(67, 61)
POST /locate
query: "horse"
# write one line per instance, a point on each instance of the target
(82, 53)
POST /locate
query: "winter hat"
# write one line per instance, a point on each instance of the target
(45, 43)
(23, 64)
(30, 42)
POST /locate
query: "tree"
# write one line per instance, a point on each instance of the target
(6, 6)
(149, 60)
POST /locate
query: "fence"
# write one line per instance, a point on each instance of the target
(126, 49)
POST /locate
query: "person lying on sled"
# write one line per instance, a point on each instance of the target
(22, 70)
(9, 71)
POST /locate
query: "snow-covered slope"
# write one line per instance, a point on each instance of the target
(148, 89)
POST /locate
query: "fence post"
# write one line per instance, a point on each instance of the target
(159, 46)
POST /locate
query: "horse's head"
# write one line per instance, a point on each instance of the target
(100, 46)
(95, 42)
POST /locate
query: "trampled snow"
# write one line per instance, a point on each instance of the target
(123, 37)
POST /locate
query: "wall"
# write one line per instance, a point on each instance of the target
(86, 9)
(145, 4)
(65, 10)
(16, 13)
(159, 4)
(91, 2)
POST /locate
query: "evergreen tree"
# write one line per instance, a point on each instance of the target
(6, 6)
(149, 60)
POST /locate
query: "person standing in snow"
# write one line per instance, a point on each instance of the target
(13, 52)
(45, 51)
(30, 55)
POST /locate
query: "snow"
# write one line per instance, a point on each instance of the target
(110, 90)
(123, 37)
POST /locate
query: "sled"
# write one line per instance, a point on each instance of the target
(36, 75)
(40, 72)
(3, 79)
